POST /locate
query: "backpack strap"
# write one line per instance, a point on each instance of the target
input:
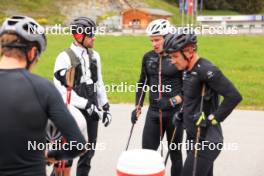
(75, 62)
(74, 59)
(93, 65)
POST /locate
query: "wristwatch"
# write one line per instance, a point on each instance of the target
(212, 119)
(173, 102)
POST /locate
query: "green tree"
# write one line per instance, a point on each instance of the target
(216, 5)
(247, 6)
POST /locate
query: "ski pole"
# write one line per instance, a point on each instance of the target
(196, 151)
(172, 139)
(198, 134)
(69, 81)
(160, 110)
(130, 134)
(173, 136)
(137, 108)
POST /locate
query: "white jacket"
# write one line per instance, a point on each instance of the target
(63, 62)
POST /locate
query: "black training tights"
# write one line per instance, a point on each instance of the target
(151, 136)
(205, 162)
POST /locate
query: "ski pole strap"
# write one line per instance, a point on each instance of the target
(68, 101)
(200, 119)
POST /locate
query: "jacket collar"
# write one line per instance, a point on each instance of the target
(79, 51)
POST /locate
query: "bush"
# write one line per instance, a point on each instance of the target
(43, 21)
(217, 5)
(247, 6)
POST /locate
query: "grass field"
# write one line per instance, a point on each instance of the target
(240, 58)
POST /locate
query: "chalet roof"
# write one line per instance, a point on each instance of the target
(152, 11)
(156, 11)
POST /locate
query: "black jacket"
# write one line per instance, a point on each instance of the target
(204, 72)
(171, 78)
(27, 101)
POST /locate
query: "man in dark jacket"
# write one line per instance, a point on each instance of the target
(27, 101)
(201, 113)
(165, 95)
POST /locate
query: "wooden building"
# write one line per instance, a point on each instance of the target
(141, 17)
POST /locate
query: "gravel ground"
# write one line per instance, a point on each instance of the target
(242, 128)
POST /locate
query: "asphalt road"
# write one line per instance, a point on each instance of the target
(242, 129)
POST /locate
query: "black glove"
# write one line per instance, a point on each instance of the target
(93, 111)
(164, 103)
(134, 115)
(107, 117)
(106, 107)
(177, 118)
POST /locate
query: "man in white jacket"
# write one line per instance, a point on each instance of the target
(88, 93)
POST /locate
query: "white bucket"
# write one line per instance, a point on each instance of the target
(140, 162)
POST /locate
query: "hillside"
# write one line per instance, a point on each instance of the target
(61, 11)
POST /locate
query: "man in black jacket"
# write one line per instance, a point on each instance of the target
(165, 97)
(201, 73)
(27, 101)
